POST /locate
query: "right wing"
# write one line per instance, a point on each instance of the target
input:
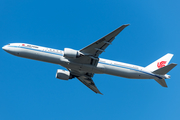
(86, 80)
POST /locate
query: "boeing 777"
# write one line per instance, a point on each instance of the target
(84, 63)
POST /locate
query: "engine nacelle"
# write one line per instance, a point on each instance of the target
(70, 53)
(63, 74)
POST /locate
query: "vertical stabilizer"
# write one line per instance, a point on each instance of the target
(161, 62)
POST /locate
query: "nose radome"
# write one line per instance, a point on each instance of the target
(3, 47)
(8, 49)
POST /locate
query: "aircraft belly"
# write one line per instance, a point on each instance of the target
(77, 66)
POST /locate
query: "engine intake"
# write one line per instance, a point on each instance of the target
(63, 75)
(70, 53)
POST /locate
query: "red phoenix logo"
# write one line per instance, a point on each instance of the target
(161, 64)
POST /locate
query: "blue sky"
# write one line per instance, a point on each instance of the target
(29, 89)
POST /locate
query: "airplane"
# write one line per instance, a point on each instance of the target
(84, 63)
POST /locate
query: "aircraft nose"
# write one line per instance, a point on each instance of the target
(8, 49)
(4, 47)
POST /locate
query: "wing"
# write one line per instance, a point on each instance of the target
(92, 51)
(90, 57)
(96, 48)
(86, 80)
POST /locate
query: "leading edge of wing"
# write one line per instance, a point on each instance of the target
(89, 83)
(101, 44)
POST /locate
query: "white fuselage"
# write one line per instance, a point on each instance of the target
(104, 66)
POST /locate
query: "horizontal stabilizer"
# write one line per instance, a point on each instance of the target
(162, 82)
(165, 69)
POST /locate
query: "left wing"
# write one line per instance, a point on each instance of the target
(92, 51)
(86, 80)
(96, 48)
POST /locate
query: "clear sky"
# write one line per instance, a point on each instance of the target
(29, 89)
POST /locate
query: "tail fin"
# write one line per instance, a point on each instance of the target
(161, 62)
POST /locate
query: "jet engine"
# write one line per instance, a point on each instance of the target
(70, 53)
(63, 74)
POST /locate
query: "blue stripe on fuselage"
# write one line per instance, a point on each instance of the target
(36, 50)
(132, 69)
